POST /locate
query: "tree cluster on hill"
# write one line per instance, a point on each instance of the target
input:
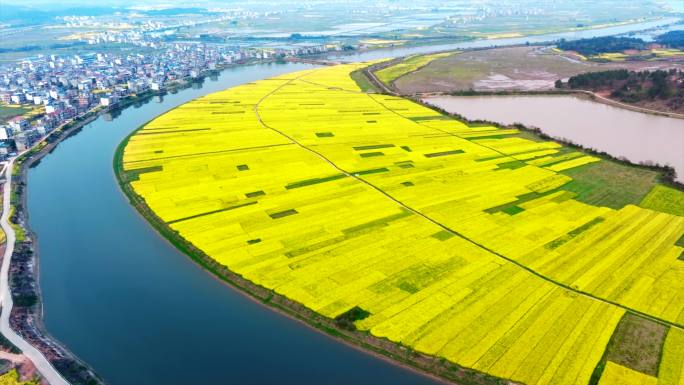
(596, 80)
(672, 39)
(634, 87)
(598, 45)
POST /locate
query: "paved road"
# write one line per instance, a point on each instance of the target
(41, 363)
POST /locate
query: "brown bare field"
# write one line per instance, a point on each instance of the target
(507, 69)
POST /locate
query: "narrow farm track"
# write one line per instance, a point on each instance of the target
(41, 363)
(428, 218)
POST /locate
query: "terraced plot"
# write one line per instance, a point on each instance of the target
(456, 241)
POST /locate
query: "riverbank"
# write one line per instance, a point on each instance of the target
(520, 70)
(28, 320)
(581, 93)
(667, 174)
(27, 315)
(188, 248)
(96, 246)
(397, 354)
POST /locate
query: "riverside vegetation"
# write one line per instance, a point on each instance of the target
(462, 242)
(662, 89)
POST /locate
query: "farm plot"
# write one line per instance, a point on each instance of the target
(390, 74)
(456, 241)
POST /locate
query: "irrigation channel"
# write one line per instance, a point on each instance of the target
(139, 311)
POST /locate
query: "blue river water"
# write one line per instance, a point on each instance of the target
(139, 311)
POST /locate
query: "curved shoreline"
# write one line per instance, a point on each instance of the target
(580, 93)
(34, 158)
(666, 174)
(24, 162)
(394, 353)
(42, 364)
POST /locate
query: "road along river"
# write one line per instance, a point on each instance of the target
(140, 312)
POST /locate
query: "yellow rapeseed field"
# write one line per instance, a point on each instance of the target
(457, 241)
(615, 374)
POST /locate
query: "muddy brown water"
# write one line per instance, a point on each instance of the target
(636, 136)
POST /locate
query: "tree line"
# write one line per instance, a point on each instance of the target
(632, 86)
(598, 45)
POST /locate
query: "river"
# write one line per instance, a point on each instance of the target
(139, 311)
(636, 136)
(574, 35)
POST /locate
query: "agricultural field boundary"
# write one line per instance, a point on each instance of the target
(270, 295)
(444, 227)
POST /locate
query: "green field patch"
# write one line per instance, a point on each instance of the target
(324, 134)
(283, 214)
(610, 184)
(664, 199)
(255, 194)
(404, 162)
(313, 181)
(564, 196)
(348, 234)
(512, 210)
(680, 242)
(419, 276)
(362, 81)
(371, 154)
(442, 235)
(488, 158)
(406, 148)
(371, 121)
(512, 165)
(134, 174)
(488, 135)
(559, 159)
(408, 287)
(572, 234)
(227, 112)
(372, 113)
(315, 246)
(443, 153)
(520, 200)
(372, 147)
(371, 171)
(346, 320)
(424, 118)
(212, 212)
(637, 343)
(377, 223)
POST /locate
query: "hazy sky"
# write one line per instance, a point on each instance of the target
(106, 3)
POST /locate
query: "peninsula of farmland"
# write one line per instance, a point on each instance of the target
(406, 226)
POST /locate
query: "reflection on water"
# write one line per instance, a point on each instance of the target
(639, 137)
